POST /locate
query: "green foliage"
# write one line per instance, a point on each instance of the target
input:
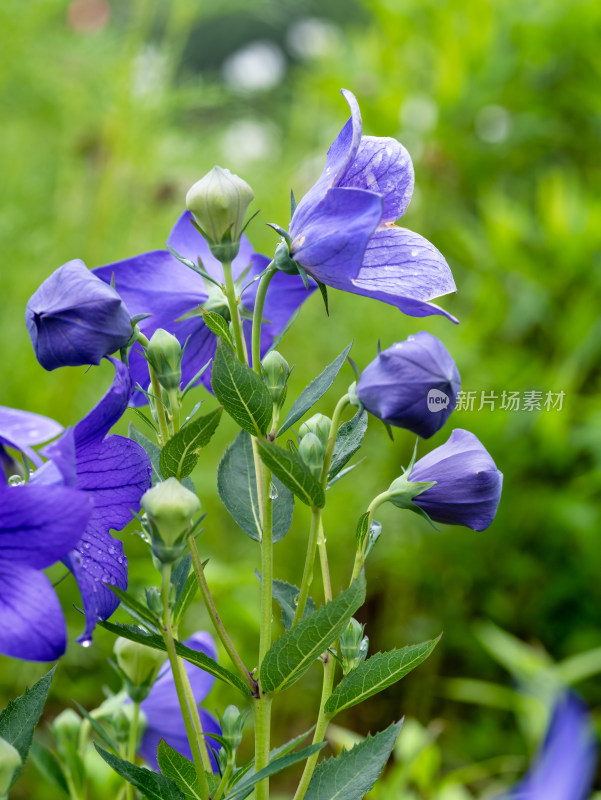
(237, 487)
(289, 467)
(353, 773)
(376, 674)
(244, 787)
(286, 594)
(242, 393)
(180, 455)
(151, 784)
(349, 440)
(182, 772)
(294, 652)
(316, 389)
(219, 326)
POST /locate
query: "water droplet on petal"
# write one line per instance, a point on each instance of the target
(87, 642)
(273, 491)
(15, 480)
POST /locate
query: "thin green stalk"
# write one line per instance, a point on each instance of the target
(227, 774)
(132, 746)
(258, 317)
(360, 554)
(179, 688)
(157, 392)
(336, 418)
(308, 568)
(232, 301)
(323, 559)
(203, 747)
(216, 619)
(174, 407)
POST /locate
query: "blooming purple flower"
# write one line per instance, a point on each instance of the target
(113, 472)
(412, 384)
(468, 483)
(343, 230)
(75, 319)
(156, 283)
(565, 765)
(162, 710)
(38, 526)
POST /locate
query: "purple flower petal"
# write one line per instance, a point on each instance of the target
(98, 422)
(24, 428)
(96, 560)
(404, 269)
(340, 154)
(332, 242)
(178, 740)
(382, 165)
(40, 524)
(33, 626)
(565, 766)
(75, 319)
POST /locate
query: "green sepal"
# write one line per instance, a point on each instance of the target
(324, 293)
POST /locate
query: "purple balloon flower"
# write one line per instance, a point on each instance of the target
(343, 230)
(162, 710)
(468, 483)
(156, 283)
(38, 526)
(412, 384)
(565, 765)
(113, 472)
(75, 319)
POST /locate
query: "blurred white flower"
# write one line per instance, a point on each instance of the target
(257, 66)
(249, 140)
(312, 37)
(419, 112)
(492, 124)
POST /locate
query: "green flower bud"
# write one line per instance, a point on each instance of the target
(140, 666)
(169, 507)
(275, 371)
(218, 203)
(232, 724)
(353, 646)
(10, 762)
(318, 424)
(164, 355)
(121, 722)
(66, 727)
(312, 452)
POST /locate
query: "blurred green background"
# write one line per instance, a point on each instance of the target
(111, 110)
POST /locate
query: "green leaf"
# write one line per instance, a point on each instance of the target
(151, 784)
(292, 654)
(244, 787)
(180, 454)
(289, 746)
(349, 440)
(141, 415)
(134, 607)
(352, 774)
(286, 595)
(241, 392)
(376, 674)
(293, 472)
(19, 718)
(185, 599)
(155, 641)
(153, 451)
(181, 771)
(237, 487)
(47, 763)
(316, 389)
(219, 326)
(104, 735)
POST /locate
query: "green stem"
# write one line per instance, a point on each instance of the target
(360, 554)
(203, 747)
(157, 392)
(179, 688)
(263, 705)
(309, 562)
(227, 773)
(323, 559)
(132, 745)
(232, 301)
(174, 406)
(336, 418)
(258, 316)
(216, 619)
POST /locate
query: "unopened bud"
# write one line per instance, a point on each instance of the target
(311, 451)
(218, 203)
(10, 762)
(66, 727)
(318, 424)
(164, 355)
(275, 374)
(139, 664)
(170, 508)
(353, 646)
(122, 720)
(232, 724)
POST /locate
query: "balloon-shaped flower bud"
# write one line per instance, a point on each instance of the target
(318, 424)
(232, 725)
(413, 384)
(170, 509)
(10, 762)
(275, 370)
(140, 666)
(66, 728)
(164, 354)
(353, 646)
(218, 202)
(75, 319)
(312, 452)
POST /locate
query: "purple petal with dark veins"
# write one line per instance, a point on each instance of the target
(332, 243)
(340, 154)
(98, 422)
(40, 524)
(97, 559)
(61, 468)
(33, 626)
(382, 165)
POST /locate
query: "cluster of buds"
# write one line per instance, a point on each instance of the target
(314, 434)
(353, 646)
